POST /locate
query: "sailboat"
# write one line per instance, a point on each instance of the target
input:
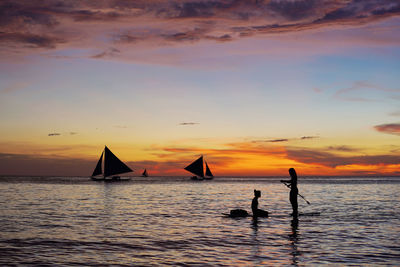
(197, 168)
(145, 174)
(112, 166)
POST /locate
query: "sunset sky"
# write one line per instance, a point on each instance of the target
(255, 86)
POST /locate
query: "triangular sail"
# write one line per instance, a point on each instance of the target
(97, 170)
(208, 171)
(196, 167)
(112, 164)
(145, 173)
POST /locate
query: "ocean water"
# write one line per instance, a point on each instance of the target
(164, 221)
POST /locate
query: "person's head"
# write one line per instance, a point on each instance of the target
(293, 174)
(257, 193)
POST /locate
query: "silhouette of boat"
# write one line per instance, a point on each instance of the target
(145, 174)
(112, 166)
(197, 168)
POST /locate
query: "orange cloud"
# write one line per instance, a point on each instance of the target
(249, 158)
(230, 159)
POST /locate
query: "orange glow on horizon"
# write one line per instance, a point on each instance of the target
(229, 159)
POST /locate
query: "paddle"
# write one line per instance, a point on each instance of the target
(297, 193)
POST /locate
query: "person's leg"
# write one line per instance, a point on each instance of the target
(295, 207)
(293, 201)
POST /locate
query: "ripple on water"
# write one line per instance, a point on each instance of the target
(180, 224)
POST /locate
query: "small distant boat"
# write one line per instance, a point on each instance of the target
(112, 166)
(145, 174)
(197, 168)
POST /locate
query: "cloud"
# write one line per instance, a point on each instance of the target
(395, 114)
(390, 128)
(191, 35)
(110, 52)
(236, 158)
(317, 156)
(30, 40)
(343, 149)
(232, 149)
(280, 140)
(168, 167)
(58, 134)
(308, 137)
(317, 90)
(45, 24)
(277, 140)
(14, 87)
(126, 38)
(22, 164)
(358, 88)
(257, 158)
(395, 149)
(188, 123)
(242, 158)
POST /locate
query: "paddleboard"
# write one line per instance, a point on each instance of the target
(309, 213)
(230, 216)
(248, 215)
(302, 214)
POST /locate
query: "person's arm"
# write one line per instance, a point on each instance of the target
(288, 183)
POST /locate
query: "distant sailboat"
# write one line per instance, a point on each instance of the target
(197, 168)
(112, 166)
(145, 174)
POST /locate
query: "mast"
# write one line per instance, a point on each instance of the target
(104, 168)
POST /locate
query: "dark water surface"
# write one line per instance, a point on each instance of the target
(73, 221)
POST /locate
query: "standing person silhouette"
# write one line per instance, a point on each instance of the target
(294, 191)
(254, 206)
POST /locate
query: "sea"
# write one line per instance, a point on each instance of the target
(173, 221)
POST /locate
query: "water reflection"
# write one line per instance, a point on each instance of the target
(108, 200)
(256, 244)
(293, 239)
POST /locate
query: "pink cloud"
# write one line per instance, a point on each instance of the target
(390, 128)
(353, 92)
(14, 87)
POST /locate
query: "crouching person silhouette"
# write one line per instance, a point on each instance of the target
(254, 206)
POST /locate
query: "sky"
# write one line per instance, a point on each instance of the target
(256, 86)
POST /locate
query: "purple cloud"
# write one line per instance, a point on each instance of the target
(48, 24)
